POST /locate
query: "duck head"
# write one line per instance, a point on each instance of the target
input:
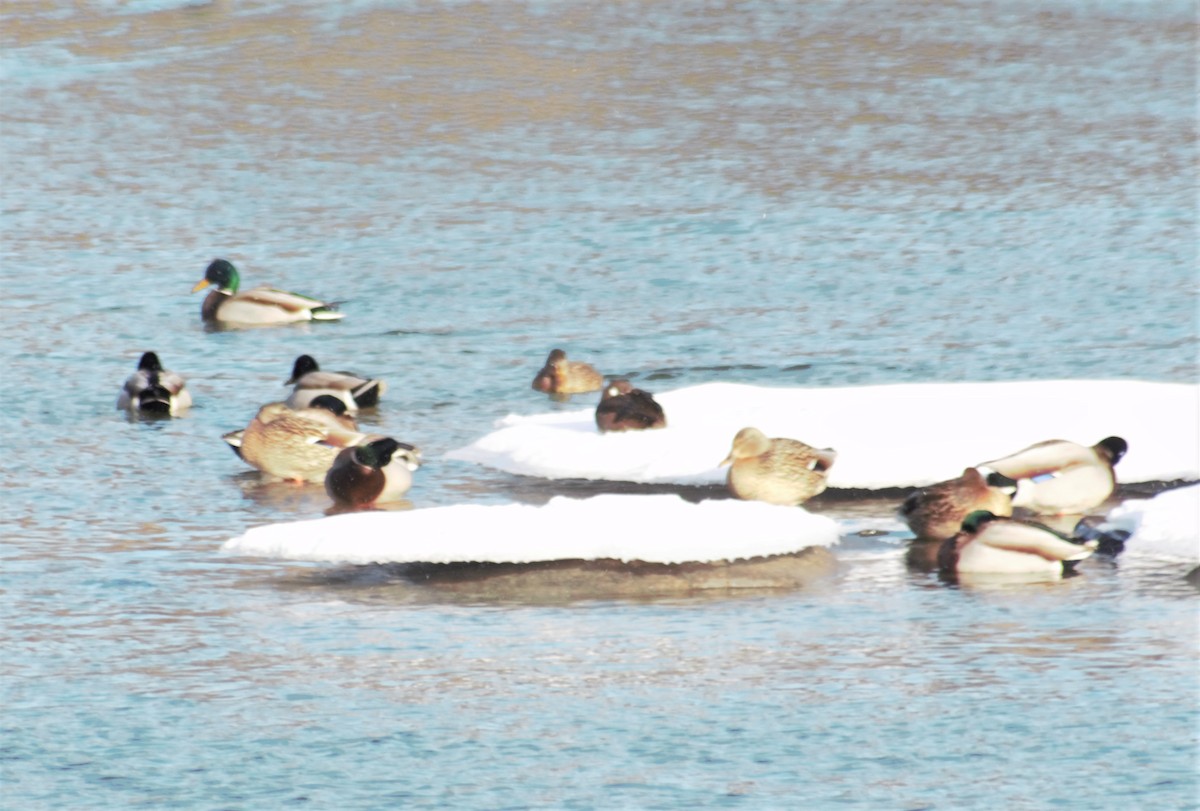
(977, 520)
(616, 388)
(999, 481)
(303, 365)
(1112, 448)
(149, 363)
(749, 442)
(546, 379)
(221, 274)
(378, 453)
(329, 403)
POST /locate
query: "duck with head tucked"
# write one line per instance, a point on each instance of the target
(309, 382)
(153, 389)
(327, 410)
(294, 445)
(992, 544)
(378, 470)
(936, 512)
(258, 306)
(778, 471)
(1059, 477)
(625, 408)
(562, 376)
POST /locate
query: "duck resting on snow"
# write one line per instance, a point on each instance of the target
(1058, 477)
(778, 471)
(625, 408)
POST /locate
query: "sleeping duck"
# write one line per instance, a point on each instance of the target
(562, 376)
(378, 470)
(260, 305)
(778, 471)
(324, 409)
(936, 512)
(294, 445)
(309, 382)
(991, 544)
(153, 389)
(624, 408)
(1059, 477)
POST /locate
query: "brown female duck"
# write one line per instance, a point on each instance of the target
(936, 512)
(778, 471)
(562, 376)
(294, 445)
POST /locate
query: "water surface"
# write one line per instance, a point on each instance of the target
(679, 192)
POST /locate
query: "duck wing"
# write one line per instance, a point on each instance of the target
(1042, 459)
(1034, 539)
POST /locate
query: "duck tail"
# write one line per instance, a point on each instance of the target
(155, 400)
(367, 395)
(327, 312)
(1110, 541)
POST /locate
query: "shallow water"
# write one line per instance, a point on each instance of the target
(824, 195)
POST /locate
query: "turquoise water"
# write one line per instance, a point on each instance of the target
(782, 195)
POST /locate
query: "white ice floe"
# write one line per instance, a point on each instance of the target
(650, 528)
(1166, 526)
(885, 436)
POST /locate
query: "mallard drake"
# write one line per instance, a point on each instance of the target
(261, 305)
(377, 470)
(936, 512)
(562, 376)
(991, 544)
(778, 471)
(153, 389)
(294, 445)
(624, 408)
(309, 382)
(1060, 477)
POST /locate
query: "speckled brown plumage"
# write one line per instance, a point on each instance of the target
(778, 471)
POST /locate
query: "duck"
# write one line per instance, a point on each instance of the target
(936, 512)
(777, 471)
(309, 383)
(260, 305)
(1059, 477)
(294, 445)
(625, 408)
(153, 389)
(993, 544)
(562, 376)
(377, 470)
(326, 409)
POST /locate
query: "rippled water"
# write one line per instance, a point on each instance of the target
(792, 195)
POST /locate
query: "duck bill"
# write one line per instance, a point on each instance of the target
(200, 285)
(727, 460)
